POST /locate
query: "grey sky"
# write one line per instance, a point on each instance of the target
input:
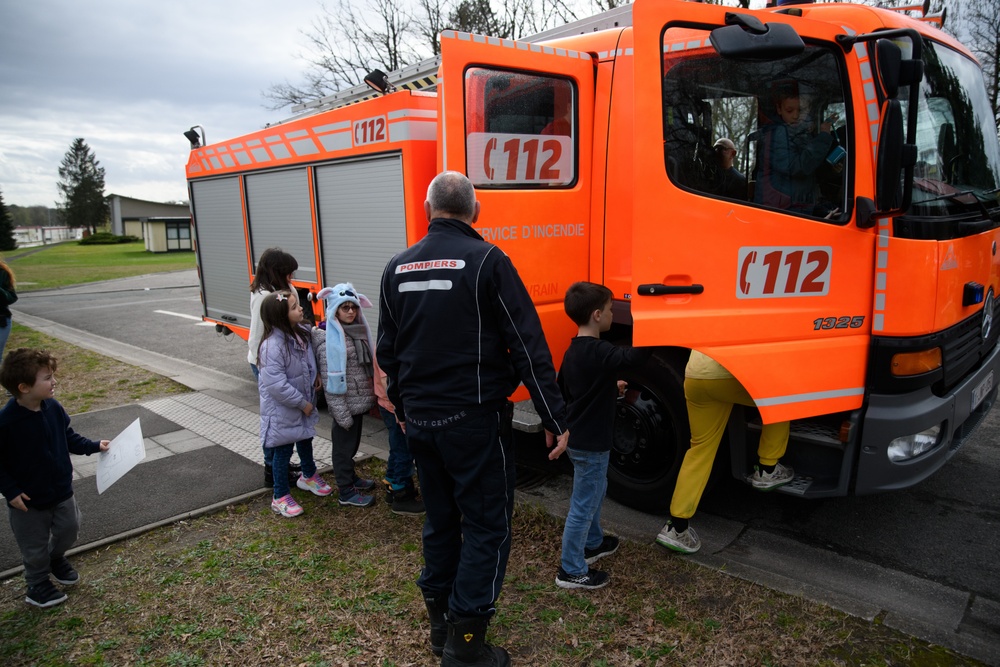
(129, 77)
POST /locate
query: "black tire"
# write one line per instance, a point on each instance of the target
(651, 434)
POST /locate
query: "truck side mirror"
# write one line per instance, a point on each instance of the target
(747, 38)
(888, 57)
(893, 155)
(891, 71)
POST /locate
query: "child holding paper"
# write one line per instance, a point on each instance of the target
(36, 474)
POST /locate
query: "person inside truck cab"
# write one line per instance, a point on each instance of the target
(789, 155)
(729, 181)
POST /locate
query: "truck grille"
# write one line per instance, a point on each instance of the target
(965, 346)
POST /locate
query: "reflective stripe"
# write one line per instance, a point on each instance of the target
(812, 396)
(425, 285)
(512, 44)
(409, 130)
(881, 275)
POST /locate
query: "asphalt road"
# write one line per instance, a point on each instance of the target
(944, 530)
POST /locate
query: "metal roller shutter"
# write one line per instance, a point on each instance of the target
(362, 222)
(218, 214)
(279, 216)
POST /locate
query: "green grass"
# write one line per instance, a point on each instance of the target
(70, 263)
(334, 587)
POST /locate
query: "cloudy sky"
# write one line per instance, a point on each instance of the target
(129, 76)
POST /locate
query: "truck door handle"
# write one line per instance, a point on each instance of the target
(657, 289)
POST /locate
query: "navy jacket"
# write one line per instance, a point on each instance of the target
(34, 453)
(457, 331)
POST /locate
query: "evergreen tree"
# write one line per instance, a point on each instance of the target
(7, 241)
(82, 185)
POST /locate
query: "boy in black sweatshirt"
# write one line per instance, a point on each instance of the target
(36, 474)
(589, 379)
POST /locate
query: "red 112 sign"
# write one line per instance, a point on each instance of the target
(496, 158)
(369, 131)
(785, 271)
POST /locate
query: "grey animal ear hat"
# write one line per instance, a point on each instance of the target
(336, 345)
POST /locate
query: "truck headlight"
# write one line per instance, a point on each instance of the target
(911, 446)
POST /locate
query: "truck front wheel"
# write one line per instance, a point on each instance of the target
(651, 435)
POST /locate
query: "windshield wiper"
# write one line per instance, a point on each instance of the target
(961, 197)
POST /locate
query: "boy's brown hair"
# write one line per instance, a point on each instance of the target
(583, 298)
(21, 366)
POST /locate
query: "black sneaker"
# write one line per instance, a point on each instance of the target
(607, 547)
(44, 595)
(591, 579)
(63, 572)
(406, 503)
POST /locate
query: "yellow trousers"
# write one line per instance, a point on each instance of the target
(709, 403)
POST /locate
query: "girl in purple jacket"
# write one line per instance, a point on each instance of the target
(288, 382)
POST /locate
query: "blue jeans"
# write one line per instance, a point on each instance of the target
(268, 451)
(583, 522)
(399, 467)
(281, 455)
(4, 335)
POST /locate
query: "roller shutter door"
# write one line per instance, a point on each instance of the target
(222, 249)
(362, 222)
(279, 217)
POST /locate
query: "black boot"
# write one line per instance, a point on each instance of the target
(437, 607)
(405, 502)
(294, 470)
(268, 475)
(467, 645)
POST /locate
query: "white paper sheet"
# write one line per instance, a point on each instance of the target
(125, 451)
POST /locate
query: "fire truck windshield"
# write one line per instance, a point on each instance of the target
(958, 158)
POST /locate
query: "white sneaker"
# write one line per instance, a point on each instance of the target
(686, 542)
(765, 481)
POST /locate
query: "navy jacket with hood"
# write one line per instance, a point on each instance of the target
(457, 331)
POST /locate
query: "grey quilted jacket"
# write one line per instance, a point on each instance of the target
(360, 396)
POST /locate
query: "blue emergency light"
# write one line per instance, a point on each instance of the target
(972, 294)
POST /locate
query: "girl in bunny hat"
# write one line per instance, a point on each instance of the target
(344, 353)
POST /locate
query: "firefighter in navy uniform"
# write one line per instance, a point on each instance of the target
(457, 331)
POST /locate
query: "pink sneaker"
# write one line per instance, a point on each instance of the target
(286, 506)
(315, 484)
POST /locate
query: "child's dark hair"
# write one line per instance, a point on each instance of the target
(274, 316)
(273, 269)
(21, 366)
(583, 298)
(783, 90)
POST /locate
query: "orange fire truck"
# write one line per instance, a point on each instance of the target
(859, 303)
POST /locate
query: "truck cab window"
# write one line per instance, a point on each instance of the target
(957, 174)
(772, 134)
(520, 129)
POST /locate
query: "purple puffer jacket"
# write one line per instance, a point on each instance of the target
(287, 375)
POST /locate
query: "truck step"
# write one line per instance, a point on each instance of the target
(526, 419)
(810, 432)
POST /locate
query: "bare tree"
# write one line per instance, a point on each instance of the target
(346, 44)
(434, 12)
(984, 31)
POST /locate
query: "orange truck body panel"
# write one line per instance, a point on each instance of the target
(623, 221)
